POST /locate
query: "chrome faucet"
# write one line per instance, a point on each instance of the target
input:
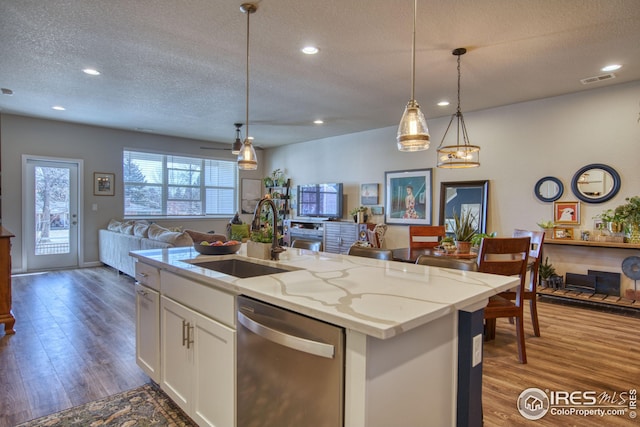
(276, 249)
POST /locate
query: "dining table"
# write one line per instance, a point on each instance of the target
(411, 255)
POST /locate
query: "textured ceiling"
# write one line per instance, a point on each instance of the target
(178, 67)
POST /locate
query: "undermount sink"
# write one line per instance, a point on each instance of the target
(240, 268)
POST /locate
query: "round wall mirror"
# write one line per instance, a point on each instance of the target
(595, 183)
(548, 189)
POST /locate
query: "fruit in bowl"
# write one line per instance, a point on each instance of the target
(217, 247)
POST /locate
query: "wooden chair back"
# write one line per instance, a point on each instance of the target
(425, 236)
(506, 256)
(312, 245)
(535, 253)
(377, 253)
(530, 291)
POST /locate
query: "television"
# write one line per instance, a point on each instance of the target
(320, 200)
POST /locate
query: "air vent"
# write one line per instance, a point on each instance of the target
(597, 79)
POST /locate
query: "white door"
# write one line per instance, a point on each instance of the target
(51, 222)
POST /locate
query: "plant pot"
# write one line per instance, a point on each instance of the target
(634, 233)
(615, 227)
(360, 217)
(463, 247)
(259, 250)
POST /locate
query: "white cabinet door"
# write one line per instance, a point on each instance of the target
(215, 374)
(198, 364)
(177, 359)
(148, 331)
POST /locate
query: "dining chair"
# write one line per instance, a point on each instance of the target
(312, 245)
(377, 253)
(533, 266)
(506, 256)
(425, 236)
(447, 262)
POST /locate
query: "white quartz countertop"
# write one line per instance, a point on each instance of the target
(378, 298)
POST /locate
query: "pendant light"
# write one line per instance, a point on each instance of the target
(413, 134)
(247, 159)
(237, 144)
(462, 155)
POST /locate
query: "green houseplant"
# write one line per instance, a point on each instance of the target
(464, 229)
(629, 213)
(477, 238)
(546, 271)
(360, 214)
(611, 220)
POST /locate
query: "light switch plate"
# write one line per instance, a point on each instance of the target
(477, 350)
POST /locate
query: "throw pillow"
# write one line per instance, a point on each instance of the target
(172, 237)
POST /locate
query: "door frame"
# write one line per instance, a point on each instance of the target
(25, 222)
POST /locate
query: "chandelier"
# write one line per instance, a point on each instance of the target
(462, 155)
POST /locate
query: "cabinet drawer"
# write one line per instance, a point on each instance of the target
(209, 301)
(148, 275)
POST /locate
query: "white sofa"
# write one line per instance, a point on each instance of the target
(120, 238)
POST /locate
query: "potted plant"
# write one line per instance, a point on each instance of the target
(545, 272)
(464, 229)
(547, 226)
(360, 214)
(448, 244)
(259, 245)
(629, 213)
(477, 238)
(276, 179)
(611, 220)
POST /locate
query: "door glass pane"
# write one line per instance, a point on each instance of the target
(52, 210)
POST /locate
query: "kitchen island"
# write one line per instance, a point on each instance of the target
(413, 333)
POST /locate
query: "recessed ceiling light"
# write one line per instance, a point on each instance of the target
(612, 67)
(318, 122)
(310, 50)
(91, 72)
(58, 108)
(443, 103)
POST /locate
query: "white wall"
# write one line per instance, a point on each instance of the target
(520, 144)
(101, 150)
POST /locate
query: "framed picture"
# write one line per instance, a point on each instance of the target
(368, 194)
(377, 210)
(566, 212)
(251, 195)
(408, 197)
(104, 184)
(563, 233)
(461, 197)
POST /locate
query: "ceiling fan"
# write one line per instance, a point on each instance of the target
(235, 147)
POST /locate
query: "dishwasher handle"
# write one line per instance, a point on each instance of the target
(301, 344)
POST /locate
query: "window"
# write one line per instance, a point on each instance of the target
(170, 185)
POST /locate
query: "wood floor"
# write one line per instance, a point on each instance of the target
(75, 342)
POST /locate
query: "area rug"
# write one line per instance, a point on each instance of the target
(141, 407)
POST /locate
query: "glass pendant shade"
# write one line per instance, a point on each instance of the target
(236, 147)
(237, 144)
(413, 134)
(459, 156)
(247, 159)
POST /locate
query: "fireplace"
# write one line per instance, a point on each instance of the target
(595, 282)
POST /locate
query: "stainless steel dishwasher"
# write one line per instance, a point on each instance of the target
(290, 368)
